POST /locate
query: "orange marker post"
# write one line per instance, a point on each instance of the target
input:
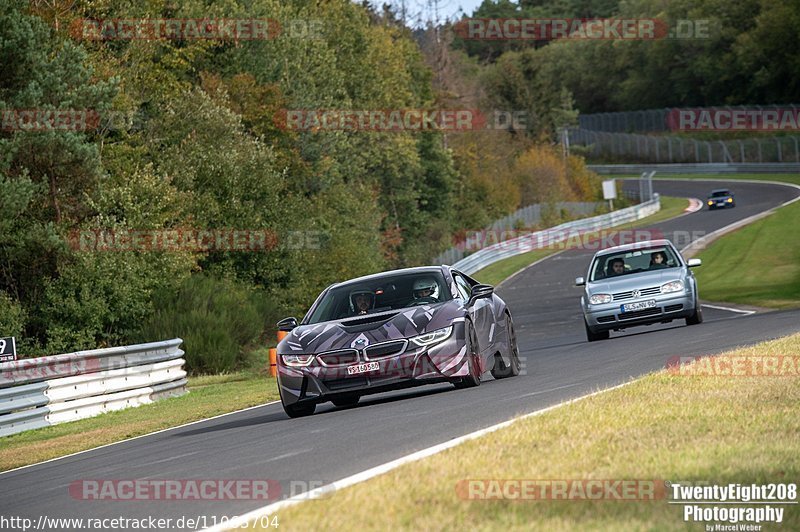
(273, 356)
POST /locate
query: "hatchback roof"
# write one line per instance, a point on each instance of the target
(635, 245)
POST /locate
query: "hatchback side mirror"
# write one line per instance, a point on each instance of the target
(691, 263)
(287, 324)
(580, 281)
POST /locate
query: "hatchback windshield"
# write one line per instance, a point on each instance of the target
(380, 294)
(720, 193)
(633, 261)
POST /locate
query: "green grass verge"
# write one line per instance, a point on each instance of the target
(208, 396)
(693, 429)
(500, 270)
(756, 265)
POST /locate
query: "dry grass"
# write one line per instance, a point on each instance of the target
(671, 427)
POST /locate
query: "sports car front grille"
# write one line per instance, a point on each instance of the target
(385, 350)
(341, 384)
(651, 291)
(639, 313)
(342, 357)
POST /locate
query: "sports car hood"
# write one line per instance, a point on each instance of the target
(374, 328)
(636, 281)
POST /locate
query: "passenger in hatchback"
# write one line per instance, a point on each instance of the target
(616, 267)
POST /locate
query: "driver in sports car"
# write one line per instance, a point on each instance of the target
(425, 290)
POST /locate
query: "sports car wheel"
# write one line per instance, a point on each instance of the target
(297, 409)
(300, 409)
(346, 400)
(474, 377)
(501, 371)
(594, 336)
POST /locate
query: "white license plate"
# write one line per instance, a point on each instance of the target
(639, 305)
(362, 368)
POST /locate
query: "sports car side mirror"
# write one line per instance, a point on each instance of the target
(694, 262)
(287, 324)
(580, 281)
(479, 291)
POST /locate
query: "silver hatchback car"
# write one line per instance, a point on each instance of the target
(638, 284)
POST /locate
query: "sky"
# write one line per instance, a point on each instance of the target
(447, 8)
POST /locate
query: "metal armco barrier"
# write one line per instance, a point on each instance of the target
(38, 392)
(623, 147)
(702, 168)
(560, 233)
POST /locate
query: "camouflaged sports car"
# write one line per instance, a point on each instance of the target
(393, 330)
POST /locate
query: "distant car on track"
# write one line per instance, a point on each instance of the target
(394, 330)
(638, 284)
(721, 198)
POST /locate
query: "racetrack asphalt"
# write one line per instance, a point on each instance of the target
(262, 443)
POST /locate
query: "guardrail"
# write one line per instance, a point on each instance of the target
(539, 239)
(701, 168)
(526, 216)
(39, 392)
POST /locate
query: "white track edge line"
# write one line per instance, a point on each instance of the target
(531, 265)
(729, 309)
(136, 437)
(368, 474)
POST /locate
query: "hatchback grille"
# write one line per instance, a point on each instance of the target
(605, 319)
(640, 313)
(653, 290)
(341, 357)
(673, 308)
(385, 350)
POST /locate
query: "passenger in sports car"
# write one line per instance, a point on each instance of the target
(361, 301)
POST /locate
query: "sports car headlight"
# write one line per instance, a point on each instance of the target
(599, 299)
(433, 337)
(674, 286)
(297, 361)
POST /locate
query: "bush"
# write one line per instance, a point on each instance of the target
(12, 316)
(219, 320)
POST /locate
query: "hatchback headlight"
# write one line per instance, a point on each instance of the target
(297, 361)
(673, 286)
(599, 299)
(433, 337)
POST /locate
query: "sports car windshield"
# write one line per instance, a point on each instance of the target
(633, 261)
(381, 294)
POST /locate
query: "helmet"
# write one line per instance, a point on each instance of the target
(358, 293)
(425, 284)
